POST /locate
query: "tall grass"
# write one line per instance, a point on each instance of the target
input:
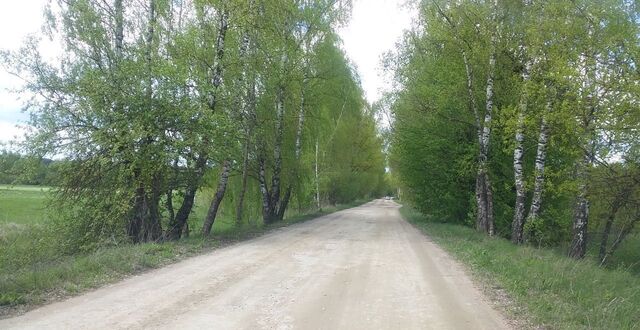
(555, 291)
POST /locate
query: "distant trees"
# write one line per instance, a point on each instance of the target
(19, 169)
(559, 83)
(157, 102)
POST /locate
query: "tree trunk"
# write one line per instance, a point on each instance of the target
(301, 114)
(284, 203)
(518, 153)
(119, 28)
(169, 204)
(620, 200)
(217, 199)
(517, 224)
(541, 156)
(484, 195)
(605, 233)
(176, 228)
(282, 207)
(249, 119)
(153, 226)
(174, 232)
(266, 196)
(134, 227)
(581, 212)
(621, 236)
(245, 177)
(317, 179)
(277, 157)
(216, 77)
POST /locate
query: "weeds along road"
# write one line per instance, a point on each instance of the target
(361, 268)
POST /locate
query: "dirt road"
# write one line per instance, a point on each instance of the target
(361, 268)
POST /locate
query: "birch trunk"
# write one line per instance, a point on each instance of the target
(517, 224)
(274, 199)
(216, 76)
(541, 156)
(215, 203)
(248, 117)
(484, 195)
(301, 116)
(519, 208)
(119, 28)
(581, 212)
(243, 187)
(264, 190)
(298, 151)
(271, 202)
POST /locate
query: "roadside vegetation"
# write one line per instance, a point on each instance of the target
(33, 271)
(544, 287)
(521, 119)
(165, 123)
(153, 102)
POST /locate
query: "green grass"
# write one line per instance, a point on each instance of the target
(31, 273)
(21, 205)
(626, 257)
(550, 289)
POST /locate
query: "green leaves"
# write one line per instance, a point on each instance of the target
(581, 82)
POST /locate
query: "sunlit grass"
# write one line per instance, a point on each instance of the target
(555, 291)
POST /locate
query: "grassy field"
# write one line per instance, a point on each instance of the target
(545, 287)
(22, 204)
(31, 273)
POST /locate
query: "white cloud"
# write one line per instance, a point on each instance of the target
(375, 27)
(10, 131)
(19, 19)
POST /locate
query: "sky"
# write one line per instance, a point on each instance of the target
(374, 28)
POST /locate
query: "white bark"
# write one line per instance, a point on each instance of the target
(518, 154)
(483, 186)
(581, 213)
(298, 148)
(541, 156)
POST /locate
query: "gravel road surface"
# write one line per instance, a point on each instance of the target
(360, 268)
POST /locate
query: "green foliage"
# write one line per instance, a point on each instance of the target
(151, 98)
(21, 170)
(581, 76)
